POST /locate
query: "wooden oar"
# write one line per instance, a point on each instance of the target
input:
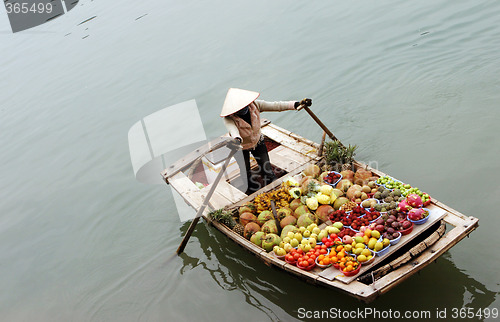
(275, 214)
(315, 118)
(190, 230)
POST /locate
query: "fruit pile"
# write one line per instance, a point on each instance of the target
(356, 222)
(280, 195)
(372, 214)
(321, 224)
(307, 260)
(338, 215)
(348, 206)
(404, 188)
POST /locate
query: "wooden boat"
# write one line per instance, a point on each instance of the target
(290, 154)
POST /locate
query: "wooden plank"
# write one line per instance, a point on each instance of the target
(295, 136)
(287, 159)
(271, 258)
(451, 210)
(230, 193)
(240, 240)
(187, 189)
(290, 142)
(299, 272)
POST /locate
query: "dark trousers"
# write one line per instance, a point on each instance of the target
(260, 154)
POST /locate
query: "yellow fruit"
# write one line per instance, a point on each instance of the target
(366, 252)
(378, 246)
(362, 258)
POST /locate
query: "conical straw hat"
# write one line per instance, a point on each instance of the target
(236, 99)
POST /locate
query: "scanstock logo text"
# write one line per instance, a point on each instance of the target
(25, 14)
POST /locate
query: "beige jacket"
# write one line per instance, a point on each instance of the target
(250, 133)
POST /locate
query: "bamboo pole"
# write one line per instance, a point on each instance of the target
(205, 202)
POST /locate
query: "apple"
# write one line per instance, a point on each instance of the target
(294, 242)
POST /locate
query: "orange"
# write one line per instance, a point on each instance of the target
(320, 257)
(326, 261)
(334, 259)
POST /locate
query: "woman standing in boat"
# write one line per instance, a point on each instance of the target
(241, 113)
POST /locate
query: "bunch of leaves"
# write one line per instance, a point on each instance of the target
(336, 154)
(223, 216)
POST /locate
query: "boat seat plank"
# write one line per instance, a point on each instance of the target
(287, 159)
(187, 189)
(290, 142)
(225, 193)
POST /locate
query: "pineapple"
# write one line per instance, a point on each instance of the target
(239, 229)
(223, 217)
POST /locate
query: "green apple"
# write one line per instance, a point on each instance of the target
(290, 234)
(313, 235)
(312, 242)
(302, 229)
(294, 242)
(288, 247)
(316, 230)
(287, 239)
(307, 248)
(306, 233)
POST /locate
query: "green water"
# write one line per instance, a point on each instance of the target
(414, 84)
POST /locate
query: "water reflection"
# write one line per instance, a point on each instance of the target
(438, 286)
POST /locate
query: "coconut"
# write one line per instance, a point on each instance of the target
(347, 174)
(283, 212)
(258, 237)
(344, 185)
(264, 216)
(302, 209)
(323, 212)
(295, 204)
(288, 220)
(307, 219)
(351, 192)
(312, 170)
(247, 217)
(338, 192)
(270, 227)
(247, 207)
(250, 229)
(287, 229)
(270, 241)
(339, 202)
